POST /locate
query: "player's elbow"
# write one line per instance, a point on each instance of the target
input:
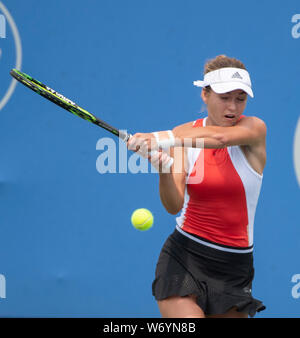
(173, 208)
(174, 211)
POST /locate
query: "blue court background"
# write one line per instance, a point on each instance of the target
(67, 247)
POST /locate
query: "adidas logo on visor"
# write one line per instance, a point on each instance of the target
(236, 76)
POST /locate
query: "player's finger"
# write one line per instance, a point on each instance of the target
(136, 143)
(131, 144)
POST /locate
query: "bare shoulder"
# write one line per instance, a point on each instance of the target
(254, 123)
(183, 126)
(256, 151)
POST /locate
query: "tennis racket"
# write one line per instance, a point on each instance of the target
(69, 105)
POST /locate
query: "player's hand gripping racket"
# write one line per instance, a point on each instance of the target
(69, 105)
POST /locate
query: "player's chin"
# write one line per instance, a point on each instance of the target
(228, 122)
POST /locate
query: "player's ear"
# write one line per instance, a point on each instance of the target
(204, 95)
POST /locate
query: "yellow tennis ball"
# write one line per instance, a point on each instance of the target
(142, 219)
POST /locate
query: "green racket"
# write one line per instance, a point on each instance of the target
(64, 102)
(68, 104)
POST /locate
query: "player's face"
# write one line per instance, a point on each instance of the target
(224, 109)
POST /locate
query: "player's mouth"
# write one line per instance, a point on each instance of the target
(230, 116)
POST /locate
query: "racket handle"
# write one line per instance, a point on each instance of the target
(124, 136)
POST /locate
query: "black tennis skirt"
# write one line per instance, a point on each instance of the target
(221, 280)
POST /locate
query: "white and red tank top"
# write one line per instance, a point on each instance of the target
(221, 196)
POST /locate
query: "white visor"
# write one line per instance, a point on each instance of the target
(227, 79)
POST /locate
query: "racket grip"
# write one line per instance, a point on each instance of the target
(124, 136)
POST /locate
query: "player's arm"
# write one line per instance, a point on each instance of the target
(248, 131)
(172, 185)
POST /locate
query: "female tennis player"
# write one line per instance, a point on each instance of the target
(205, 268)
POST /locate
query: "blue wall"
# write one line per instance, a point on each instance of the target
(67, 247)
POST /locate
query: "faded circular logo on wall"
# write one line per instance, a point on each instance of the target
(10, 54)
(297, 151)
